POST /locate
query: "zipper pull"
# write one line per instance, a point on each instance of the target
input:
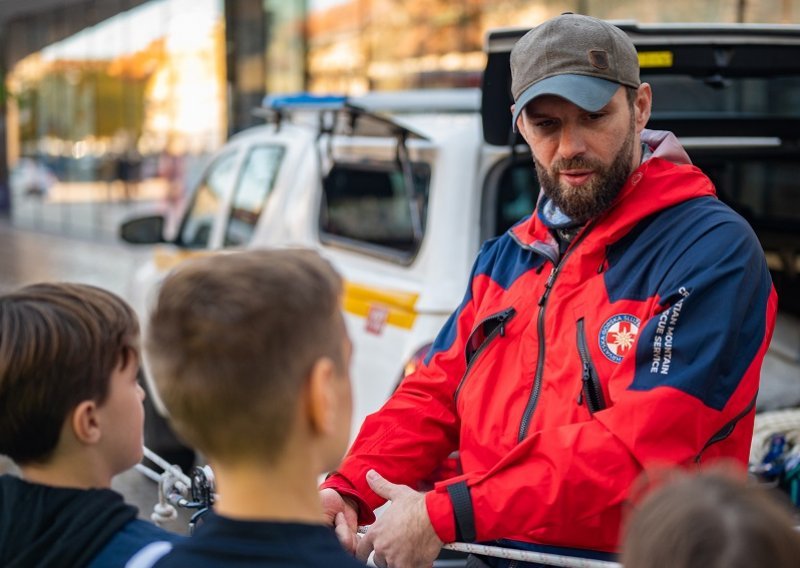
(587, 373)
(547, 286)
(503, 318)
(580, 397)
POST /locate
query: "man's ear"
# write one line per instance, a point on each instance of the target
(642, 106)
(85, 423)
(322, 396)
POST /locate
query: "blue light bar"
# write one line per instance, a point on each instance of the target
(303, 101)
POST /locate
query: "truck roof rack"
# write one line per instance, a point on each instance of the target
(337, 114)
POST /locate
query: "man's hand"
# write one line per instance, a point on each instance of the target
(341, 514)
(403, 536)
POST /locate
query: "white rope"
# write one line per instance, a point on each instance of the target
(530, 556)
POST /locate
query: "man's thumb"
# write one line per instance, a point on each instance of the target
(380, 485)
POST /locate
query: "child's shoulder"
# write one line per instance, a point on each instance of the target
(129, 540)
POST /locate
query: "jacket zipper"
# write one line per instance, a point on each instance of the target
(592, 390)
(726, 430)
(500, 319)
(537, 379)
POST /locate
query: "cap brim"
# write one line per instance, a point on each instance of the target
(589, 93)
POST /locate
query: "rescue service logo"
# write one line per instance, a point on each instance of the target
(618, 335)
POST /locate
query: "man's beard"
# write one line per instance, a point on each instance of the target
(594, 197)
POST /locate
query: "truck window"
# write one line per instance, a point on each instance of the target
(724, 97)
(370, 207)
(252, 189)
(517, 192)
(206, 203)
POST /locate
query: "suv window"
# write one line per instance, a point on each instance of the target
(207, 201)
(765, 191)
(516, 194)
(720, 97)
(370, 206)
(252, 189)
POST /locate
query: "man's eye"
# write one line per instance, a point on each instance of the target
(544, 123)
(595, 115)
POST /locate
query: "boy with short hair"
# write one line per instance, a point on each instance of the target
(71, 418)
(250, 355)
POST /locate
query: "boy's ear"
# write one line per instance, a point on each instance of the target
(322, 397)
(85, 423)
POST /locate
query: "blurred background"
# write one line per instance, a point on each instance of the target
(109, 106)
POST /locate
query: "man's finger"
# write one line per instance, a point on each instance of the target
(380, 561)
(381, 486)
(365, 547)
(347, 537)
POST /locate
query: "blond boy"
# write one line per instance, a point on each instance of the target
(250, 355)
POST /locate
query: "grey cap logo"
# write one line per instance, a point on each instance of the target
(598, 58)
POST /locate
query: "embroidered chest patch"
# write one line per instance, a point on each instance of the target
(618, 335)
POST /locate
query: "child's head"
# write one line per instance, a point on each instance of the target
(68, 366)
(710, 520)
(249, 350)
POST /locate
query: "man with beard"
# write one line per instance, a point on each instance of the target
(620, 328)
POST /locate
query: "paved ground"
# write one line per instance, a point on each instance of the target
(38, 244)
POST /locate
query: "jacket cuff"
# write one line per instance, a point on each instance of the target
(440, 513)
(450, 511)
(343, 487)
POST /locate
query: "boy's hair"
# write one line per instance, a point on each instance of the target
(711, 520)
(59, 344)
(233, 338)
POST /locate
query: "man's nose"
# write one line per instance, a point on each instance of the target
(572, 142)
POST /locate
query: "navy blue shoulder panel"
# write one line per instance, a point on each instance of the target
(502, 260)
(641, 263)
(706, 265)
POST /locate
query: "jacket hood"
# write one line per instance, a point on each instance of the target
(665, 179)
(51, 526)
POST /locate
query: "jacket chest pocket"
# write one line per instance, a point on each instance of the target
(487, 331)
(591, 389)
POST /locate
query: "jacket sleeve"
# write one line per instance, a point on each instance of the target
(417, 428)
(718, 306)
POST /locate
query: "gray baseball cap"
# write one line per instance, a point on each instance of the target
(579, 58)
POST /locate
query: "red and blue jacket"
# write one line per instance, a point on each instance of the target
(562, 377)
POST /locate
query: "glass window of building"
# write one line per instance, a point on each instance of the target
(99, 102)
